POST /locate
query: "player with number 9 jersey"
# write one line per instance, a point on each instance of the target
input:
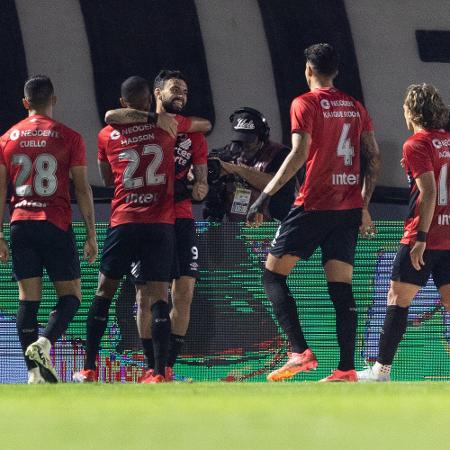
(38, 153)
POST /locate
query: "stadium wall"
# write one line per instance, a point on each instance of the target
(233, 335)
(238, 54)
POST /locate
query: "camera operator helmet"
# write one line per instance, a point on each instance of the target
(247, 123)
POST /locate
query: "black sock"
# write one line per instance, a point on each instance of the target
(176, 344)
(60, 317)
(97, 321)
(394, 328)
(160, 335)
(147, 345)
(346, 322)
(285, 309)
(27, 326)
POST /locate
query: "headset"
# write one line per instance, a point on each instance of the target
(265, 132)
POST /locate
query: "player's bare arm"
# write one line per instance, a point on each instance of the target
(427, 202)
(125, 115)
(83, 194)
(4, 250)
(106, 173)
(200, 188)
(258, 180)
(301, 143)
(164, 120)
(371, 152)
(199, 125)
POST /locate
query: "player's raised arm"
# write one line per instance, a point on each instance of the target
(83, 194)
(4, 250)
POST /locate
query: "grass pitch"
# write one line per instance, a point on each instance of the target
(226, 416)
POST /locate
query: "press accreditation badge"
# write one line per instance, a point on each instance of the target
(241, 201)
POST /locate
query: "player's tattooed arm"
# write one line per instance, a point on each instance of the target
(301, 143)
(4, 250)
(371, 155)
(125, 115)
(200, 188)
(106, 173)
(164, 120)
(83, 194)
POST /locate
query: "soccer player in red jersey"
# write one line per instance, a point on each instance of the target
(425, 244)
(137, 158)
(37, 156)
(191, 151)
(330, 132)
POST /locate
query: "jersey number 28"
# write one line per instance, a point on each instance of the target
(44, 180)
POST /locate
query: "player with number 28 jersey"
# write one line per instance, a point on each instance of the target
(38, 152)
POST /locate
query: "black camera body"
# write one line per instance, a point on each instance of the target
(215, 200)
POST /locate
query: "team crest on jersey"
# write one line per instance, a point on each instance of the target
(325, 104)
(115, 134)
(14, 135)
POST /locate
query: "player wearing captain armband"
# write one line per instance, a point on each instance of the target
(425, 245)
(137, 159)
(330, 132)
(37, 156)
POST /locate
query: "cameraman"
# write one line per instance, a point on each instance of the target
(238, 172)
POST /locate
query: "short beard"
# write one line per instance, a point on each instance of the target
(169, 108)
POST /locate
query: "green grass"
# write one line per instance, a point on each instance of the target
(226, 416)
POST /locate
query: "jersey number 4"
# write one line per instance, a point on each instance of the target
(44, 180)
(134, 159)
(345, 148)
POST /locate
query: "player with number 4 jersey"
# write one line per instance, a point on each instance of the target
(330, 133)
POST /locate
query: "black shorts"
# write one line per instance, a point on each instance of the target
(186, 249)
(437, 264)
(38, 244)
(149, 245)
(302, 232)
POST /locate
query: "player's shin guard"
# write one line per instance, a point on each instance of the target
(60, 317)
(285, 309)
(346, 322)
(160, 335)
(97, 321)
(27, 327)
(394, 328)
(176, 344)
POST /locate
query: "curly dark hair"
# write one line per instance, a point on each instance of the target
(426, 106)
(323, 58)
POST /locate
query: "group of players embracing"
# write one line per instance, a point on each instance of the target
(148, 156)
